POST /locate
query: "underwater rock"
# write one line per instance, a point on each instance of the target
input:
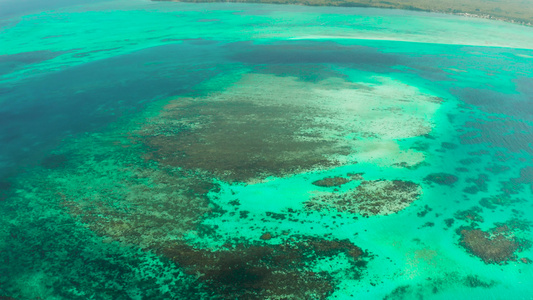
(266, 236)
(378, 197)
(526, 260)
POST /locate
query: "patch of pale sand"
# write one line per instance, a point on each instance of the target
(427, 39)
(379, 115)
(457, 70)
(392, 127)
(524, 55)
(386, 153)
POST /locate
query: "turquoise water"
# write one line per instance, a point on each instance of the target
(237, 151)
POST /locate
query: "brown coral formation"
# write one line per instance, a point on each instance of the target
(173, 204)
(237, 140)
(377, 197)
(265, 125)
(496, 246)
(331, 181)
(176, 205)
(470, 215)
(498, 200)
(266, 271)
(441, 178)
(152, 187)
(154, 208)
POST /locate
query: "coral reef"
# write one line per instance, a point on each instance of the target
(434, 285)
(441, 178)
(496, 246)
(498, 201)
(356, 176)
(422, 213)
(470, 215)
(480, 184)
(55, 161)
(244, 271)
(474, 281)
(154, 208)
(5, 189)
(266, 125)
(378, 197)
(497, 169)
(449, 222)
(172, 204)
(331, 181)
(237, 140)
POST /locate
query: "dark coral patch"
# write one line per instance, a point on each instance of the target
(469, 161)
(474, 281)
(526, 177)
(498, 200)
(398, 293)
(55, 161)
(497, 169)
(424, 211)
(236, 140)
(331, 181)
(470, 215)
(514, 224)
(441, 178)
(496, 246)
(450, 146)
(259, 271)
(449, 222)
(480, 184)
(5, 189)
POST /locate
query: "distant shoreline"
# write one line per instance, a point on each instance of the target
(466, 12)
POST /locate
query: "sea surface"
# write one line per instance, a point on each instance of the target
(154, 150)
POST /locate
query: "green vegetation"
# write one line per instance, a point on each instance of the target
(516, 11)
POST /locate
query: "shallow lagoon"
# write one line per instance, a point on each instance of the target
(170, 150)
